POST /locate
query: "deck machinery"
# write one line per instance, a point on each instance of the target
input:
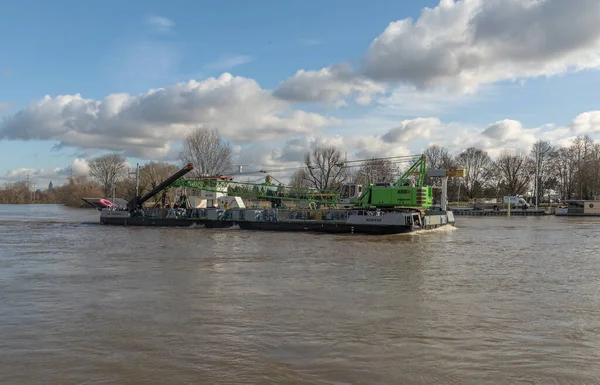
(405, 192)
(268, 191)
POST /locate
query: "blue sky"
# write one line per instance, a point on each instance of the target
(103, 48)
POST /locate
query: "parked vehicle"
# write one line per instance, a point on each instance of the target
(515, 202)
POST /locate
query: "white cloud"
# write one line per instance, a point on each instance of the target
(5, 106)
(330, 84)
(22, 173)
(42, 176)
(410, 100)
(160, 23)
(503, 130)
(410, 129)
(413, 68)
(144, 125)
(289, 154)
(565, 141)
(507, 134)
(396, 141)
(229, 61)
(459, 46)
(462, 45)
(282, 161)
(410, 136)
(587, 122)
(80, 167)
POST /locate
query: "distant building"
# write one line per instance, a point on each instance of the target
(50, 185)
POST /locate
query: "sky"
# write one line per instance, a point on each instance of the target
(276, 78)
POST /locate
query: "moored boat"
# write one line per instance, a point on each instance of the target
(579, 208)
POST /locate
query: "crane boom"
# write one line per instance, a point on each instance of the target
(418, 168)
(137, 202)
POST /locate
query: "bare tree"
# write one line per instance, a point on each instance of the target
(15, 193)
(126, 187)
(375, 170)
(594, 171)
(541, 152)
(300, 179)
(515, 172)
(494, 186)
(153, 173)
(323, 169)
(209, 153)
(107, 170)
(564, 166)
(582, 148)
(77, 187)
(438, 157)
(477, 168)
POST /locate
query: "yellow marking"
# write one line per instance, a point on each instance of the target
(457, 172)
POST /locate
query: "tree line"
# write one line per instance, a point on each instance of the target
(572, 172)
(110, 175)
(569, 172)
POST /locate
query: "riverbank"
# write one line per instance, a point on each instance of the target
(499, 213)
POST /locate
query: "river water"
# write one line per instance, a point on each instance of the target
(497, 300)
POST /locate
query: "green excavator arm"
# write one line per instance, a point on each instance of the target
(419, 168)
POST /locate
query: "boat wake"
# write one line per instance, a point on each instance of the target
(443, 229)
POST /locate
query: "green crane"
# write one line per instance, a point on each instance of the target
(407, 191)
(266, 190)
(402, 193)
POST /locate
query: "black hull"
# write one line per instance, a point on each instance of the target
(308, 226)
(165, 222)
(336, 228)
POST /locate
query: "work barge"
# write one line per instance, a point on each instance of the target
(216, 202)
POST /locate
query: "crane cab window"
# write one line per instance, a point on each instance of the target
(349, 191)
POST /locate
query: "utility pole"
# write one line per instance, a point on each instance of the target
(137, 178)
(113, 187)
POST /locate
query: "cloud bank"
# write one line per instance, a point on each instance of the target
(145, 125)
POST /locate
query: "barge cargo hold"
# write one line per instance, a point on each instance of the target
(164, 218)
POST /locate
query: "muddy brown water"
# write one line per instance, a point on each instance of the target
(497, 300)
